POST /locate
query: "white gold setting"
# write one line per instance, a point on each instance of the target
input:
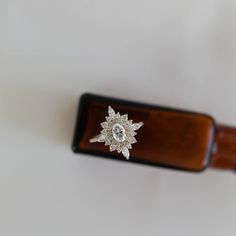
(118, 132)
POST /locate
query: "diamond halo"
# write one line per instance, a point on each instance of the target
(118, 132)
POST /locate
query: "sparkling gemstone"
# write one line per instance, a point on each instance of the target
(125, 152)
(137, 125)
(118, 132)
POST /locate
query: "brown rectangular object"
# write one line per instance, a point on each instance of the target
(170, 137)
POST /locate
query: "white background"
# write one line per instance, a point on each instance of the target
(175, 53)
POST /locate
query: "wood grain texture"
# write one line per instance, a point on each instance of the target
(224, 156)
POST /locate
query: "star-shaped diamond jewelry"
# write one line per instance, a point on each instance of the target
(118, 132)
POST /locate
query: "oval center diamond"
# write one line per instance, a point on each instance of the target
(118, 132)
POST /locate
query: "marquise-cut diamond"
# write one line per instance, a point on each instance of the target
(137, 125)
(125, 152)
(111, 112)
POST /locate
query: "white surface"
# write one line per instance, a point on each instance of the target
(176, 53)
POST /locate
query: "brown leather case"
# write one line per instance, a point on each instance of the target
(170, 137)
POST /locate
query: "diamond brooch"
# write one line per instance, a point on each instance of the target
(118, 132)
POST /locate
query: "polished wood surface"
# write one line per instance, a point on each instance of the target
(169, 137)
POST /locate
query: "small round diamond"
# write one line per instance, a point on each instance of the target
(118, 132)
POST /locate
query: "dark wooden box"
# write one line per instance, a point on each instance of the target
(170, 138)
